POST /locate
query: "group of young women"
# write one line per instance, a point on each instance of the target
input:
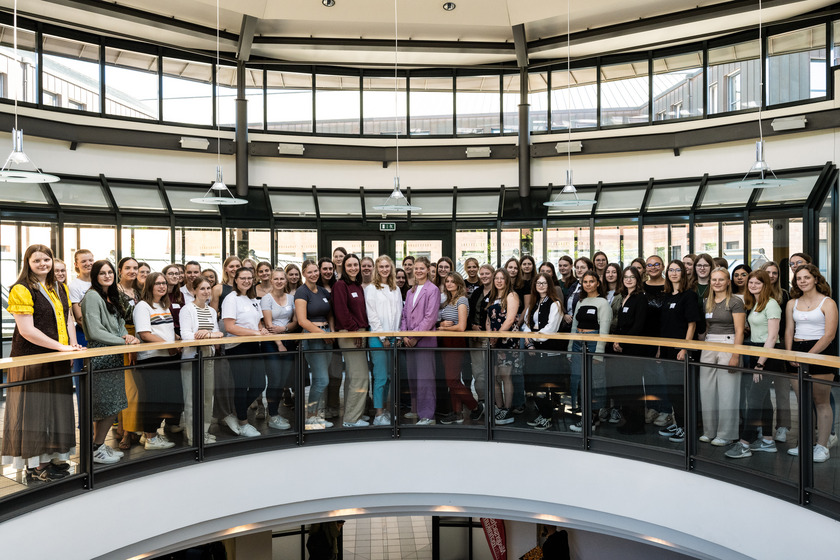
(127, 304)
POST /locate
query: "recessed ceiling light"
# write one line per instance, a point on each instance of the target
(328, 3)
(449, 6)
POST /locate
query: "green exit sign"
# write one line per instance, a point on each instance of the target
(387, 226)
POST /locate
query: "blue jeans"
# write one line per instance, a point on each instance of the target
(383, 367)
(319, 364)
(278, 371)
(599, 388)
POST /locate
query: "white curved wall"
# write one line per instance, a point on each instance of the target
(631, 499)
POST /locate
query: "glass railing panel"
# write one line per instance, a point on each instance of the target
(547, 380)
(39, 441)
(826, 473)
(739, 412)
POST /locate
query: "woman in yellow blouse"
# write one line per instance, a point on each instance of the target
(39, 429)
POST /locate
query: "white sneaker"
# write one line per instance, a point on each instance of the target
(720, 442)
(663, 419)
(425, 422)
(102, 457)
(158, 442)
(314, 423)
(114, 452)
(382, 420)
(278, 423)
(209, 438)
(794, 451)
(821, 454)
(232, 422)
(325, 423)
(360, 423)
(248, 430)
(832, 440)
(410, 415)
(781, 434)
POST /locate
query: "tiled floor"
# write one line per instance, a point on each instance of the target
(388, 538)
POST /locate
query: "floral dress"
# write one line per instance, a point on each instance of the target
(497, 317)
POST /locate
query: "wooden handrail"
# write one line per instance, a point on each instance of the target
(783, 355)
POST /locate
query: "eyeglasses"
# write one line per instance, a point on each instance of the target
(674, 270)
(541, 283)
(630, 277)
(246, 278)
(160, 284)
(796, 264)
(701, 266)
(654, 265)
(172, 273)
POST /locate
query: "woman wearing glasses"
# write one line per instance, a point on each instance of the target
(703, 266)
(632, 312)
(781, 384)
(574, 292)
(659, 412)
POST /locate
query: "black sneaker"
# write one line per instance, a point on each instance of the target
(518, 410)
(504, 417)
(536, 421)
(452, 418)
(476, 414)
(542, 423)
(47, 474)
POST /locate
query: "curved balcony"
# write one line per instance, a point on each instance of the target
(640, 486)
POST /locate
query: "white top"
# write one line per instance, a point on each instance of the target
(245, 310)
(384, 308)
(553, 325)
(190, 325)
(281, 315)
(78, 289)
(157, 321)
(809, 325)
(417, 289)
(188, 297)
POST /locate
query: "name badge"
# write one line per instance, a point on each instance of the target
(591, 311)
(354, 294)
(176, 306)
(673, 305)
(625, 309)
(709, 315)
(326, 300)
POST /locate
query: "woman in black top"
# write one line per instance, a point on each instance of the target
(574, 293)
(600, 260)
(739, 279)
(476, 320)
(632, 312)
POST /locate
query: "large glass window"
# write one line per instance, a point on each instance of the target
(296, 245)
(71, 74)
(152, 245)
(517, 243)
(385, 106)
(203, 245)
(477, 104)
(656, 242)
(477, 205)
(619, 242)
(431, 106)
(432, 249)
(136, 197)
(796, 65)
(14, 239)
(678, 86)
(254, 244)
(761, 242)
(100, 240)
(707, 239)
(568, 240)
(733, 243)
(19, 80)
(624, 93)
(679, 241)
(510, 103)
(620, 200)
(79, 193)
(337, 104)
(826, 243)
(576, 91)
(719, 195)
(476, 243)
(131, 84)
(672, 197)
(289, 101)
(187, 91)
(538, 100)
(735, 70)
(226, 76)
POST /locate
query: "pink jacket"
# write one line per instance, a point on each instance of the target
(423, 315)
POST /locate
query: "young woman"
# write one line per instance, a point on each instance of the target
(764, 318)
(384, 304)
(433, 274)
(811, 327)
(688, 262)
(592, 315)
(472, 282)
(574, 292)
(655, 290)
(176, 298)
(565, 270)
(720, 388)
(401, 279)
(250, 263)
(60, 270)
(264, 271)
(501, 317)
(781, 384)
(518, 284)
(543, 316)
(143, 271)
(367, 271)
(527, 271)
(338, 261)
(278, 308)
(350, 313)
(600, 260)
(32, 439)
(159, 385)
(408, 266)
(678, 319)
(198, 322)
(453, 318)
(104, 325)
(242, 316)
(221, 291)
(314, 315)
(211, 276)
(130, 291)
(632, 313)
(332, 394)
(612, 284)
(420, 314)
(444, 267)
(641, 265)
(83, 261)
(739, 280)
(477, 320)
(326, 270)
(293, 278)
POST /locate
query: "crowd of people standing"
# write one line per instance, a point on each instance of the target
(693, 298)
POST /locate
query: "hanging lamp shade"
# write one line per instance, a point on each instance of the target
(18, 158)
(219, 193)
(396, 202)
(766, 179)
(569, 195)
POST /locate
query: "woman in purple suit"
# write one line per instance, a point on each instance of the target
(420, 314)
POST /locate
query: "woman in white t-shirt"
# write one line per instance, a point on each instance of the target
(243, 316)
(198, 322)
(160, 390)
(278, 308)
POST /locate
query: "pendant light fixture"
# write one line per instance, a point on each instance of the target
(18, 157)
(218, 193)
(569, 196)
(766, 179)
(396, 203)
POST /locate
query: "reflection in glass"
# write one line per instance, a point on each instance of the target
(22, 77)
(131, 84)
(707, 239)
(678, 86)
(147, 244)
(581, 98)
(733, 77)
(431, 106)
(385, 106)
(71, 74)
(187, 92)
(624, 93)
(337, 102)
(796, 65)
(226, 92)
(477, 105)
(200, 244)
(295, 246)
(289, 101)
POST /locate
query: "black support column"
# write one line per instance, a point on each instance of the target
(241, 132)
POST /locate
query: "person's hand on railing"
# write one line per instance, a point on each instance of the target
(130, 339)
(680, 355)
(617, 347)
(71, 347)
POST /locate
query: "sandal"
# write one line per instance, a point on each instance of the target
(125, 442)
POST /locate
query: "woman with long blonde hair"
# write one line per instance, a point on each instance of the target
(384, 303)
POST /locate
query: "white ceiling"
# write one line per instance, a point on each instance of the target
(418, 20)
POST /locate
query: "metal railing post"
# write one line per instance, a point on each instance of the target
(300, 403)
(86, 423)
(198, 402)
(586, 395)
(396, 390)
(489, 393)
(689, 401)
(806, 431)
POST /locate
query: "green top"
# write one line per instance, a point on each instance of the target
(99, 325)
(758, 321)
